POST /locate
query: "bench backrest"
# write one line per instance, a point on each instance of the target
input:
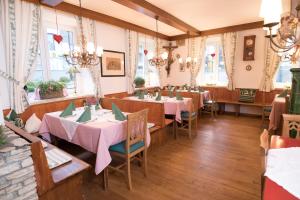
(156, 112)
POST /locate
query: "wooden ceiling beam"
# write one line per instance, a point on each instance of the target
(153, 11)
(70, 8)
(235, 28)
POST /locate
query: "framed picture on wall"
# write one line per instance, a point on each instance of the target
(249, 47)
(113, 64)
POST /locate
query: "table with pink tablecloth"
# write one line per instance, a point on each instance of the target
(171, 105)
(278, 108)
(96, 136)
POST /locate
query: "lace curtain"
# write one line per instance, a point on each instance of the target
(229, 46)
(198, 51)
(20, 23)
(271, 66)
(133, 52)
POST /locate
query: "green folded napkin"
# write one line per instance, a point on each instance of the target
(189, 89)
(178, 96)
(11, 116)
(170, 94)
(158, 98)
(118, 113)
(200, 89)
(86, 115)
(97, 106)
(73, 106)
(283, 94)
(141, 95)
(68, 111)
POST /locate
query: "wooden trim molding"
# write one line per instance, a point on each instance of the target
(235, 28)
(153, 11)
(70, 8)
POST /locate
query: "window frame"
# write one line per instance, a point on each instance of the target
(281, 85)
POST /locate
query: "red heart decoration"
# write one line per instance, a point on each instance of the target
(57, 38)
(213, 55)
(145, 52)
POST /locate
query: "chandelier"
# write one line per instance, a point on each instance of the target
(282, 31)
(158, 61)
(189, 61)
(86, 55)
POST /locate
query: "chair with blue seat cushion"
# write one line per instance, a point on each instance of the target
(266, 111)
(187, 118)
(134, 145)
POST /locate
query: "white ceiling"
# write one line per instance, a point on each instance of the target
(201, 14)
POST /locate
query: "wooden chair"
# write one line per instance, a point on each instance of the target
(291, 125)
(264, 144)
(134, 145)
(187, 118)
(211, 106)
(266, 111)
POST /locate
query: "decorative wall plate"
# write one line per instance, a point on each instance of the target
(248, 67)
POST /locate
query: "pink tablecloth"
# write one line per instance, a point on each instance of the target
(95, 136)
(171, 105)
(203, 97)
(278, 108)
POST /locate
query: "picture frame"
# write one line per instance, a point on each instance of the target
(112, 64)
(249, 48)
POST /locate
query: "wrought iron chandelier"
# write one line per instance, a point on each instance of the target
(282, 31)
(158, 61)
(85, 56)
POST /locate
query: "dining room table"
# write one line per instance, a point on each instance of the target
(172, 106)
(278, 108)
(203, 96)
(95, 135)
(274, 189)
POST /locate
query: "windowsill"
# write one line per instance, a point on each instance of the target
(69, 97)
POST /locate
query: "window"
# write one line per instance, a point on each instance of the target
(284, 76)
(51, 65)
(144, 70)
(213, 69)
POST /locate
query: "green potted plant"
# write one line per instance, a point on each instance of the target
(51, 89)
(139, 82)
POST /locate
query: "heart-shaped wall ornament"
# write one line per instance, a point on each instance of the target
(145, 52)
(57, 38)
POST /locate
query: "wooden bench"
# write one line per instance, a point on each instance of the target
(238, 104)
(156, 115)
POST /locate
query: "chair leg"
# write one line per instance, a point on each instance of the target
(196, 123)
(190, 129)
(105, 178)
(145, 163)
(129, 174)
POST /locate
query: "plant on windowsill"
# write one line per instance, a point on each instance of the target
(51, 89)
(139, 82)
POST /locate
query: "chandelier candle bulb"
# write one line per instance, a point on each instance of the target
(188, 59)
(99, 51)
(90, 48)
(164, 55)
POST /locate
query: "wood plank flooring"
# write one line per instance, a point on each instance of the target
(222, 162)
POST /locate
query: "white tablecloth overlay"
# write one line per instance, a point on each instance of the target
(283, 168)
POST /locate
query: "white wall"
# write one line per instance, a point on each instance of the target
(243, 78)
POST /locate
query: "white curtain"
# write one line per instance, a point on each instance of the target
(271, 66)
(132, 55)
(198, 51)
(21, 29)
(92, 79)
(229, 47)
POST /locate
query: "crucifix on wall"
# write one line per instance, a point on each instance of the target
(170, 48)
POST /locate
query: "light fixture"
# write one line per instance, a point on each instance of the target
(86, 55)
(282, 31)
(189, 61)
(158, 61)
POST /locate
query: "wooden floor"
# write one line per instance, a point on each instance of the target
(222, 162)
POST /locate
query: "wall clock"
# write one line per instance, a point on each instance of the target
(249, 47)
